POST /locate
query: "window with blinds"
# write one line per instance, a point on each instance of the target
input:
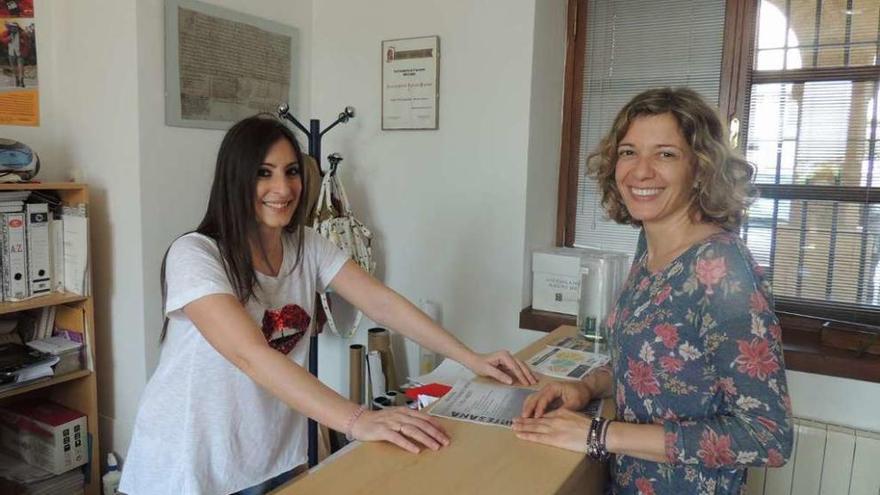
(812, 134)
(631, 46)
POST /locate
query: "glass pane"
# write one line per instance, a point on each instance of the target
(863, 54)
(830, 56)
(865, 20)
(798, 250)
(794, 58)
(802, 28)
(813, 133)
(871, 277)
(832, 23)
(817, 33)
(763, 154)
(758, 240)
(771, 26)
(771, 59)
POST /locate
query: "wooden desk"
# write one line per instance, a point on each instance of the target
(480, 460)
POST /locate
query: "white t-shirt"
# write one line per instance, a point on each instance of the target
(203, 425)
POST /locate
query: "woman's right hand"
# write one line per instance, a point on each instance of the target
(401, 426)
(565, 395)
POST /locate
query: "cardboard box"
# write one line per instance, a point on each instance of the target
(44, 434)
(555, 281)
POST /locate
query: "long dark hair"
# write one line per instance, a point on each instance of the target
(230, 218)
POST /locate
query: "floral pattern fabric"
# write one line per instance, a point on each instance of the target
(696, 347)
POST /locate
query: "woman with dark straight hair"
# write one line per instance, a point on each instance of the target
(225, 411)
(696, 353)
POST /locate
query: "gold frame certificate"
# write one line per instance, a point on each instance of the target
(410, 83)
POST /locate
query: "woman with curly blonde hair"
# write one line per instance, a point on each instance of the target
(696, 368)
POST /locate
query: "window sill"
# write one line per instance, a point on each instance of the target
(802, 346)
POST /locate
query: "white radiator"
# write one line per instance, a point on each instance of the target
(826, 460)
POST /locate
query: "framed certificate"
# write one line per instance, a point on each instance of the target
(410, 83)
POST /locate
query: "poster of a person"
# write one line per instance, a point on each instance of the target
(19, 92)
(16, 8)
(18, 54)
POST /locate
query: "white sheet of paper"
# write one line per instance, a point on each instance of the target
(448, 373)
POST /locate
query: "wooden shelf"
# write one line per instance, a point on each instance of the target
(38, 384)
(77, 390)
(52, 299)
(544, 321)
(41, 186)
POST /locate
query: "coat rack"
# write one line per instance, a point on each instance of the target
(314, 135)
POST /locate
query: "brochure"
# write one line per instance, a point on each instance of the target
(570, 364)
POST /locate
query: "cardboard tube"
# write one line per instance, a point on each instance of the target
(379, 339)
(356, 373)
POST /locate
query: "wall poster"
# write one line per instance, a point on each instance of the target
(222, 65)
(19, 93)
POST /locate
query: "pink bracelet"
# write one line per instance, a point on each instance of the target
(354, 416)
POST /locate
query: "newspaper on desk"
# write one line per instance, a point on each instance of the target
(489, 404)
(483, 403)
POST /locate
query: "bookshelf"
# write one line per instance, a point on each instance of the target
(78, 389)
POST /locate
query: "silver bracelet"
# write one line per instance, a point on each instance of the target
(596, 439)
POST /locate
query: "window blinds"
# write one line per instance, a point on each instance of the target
(632, 46)
(812, 133)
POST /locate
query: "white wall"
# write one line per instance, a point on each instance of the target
(448, 207)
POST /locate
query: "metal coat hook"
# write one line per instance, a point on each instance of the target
(314, 132)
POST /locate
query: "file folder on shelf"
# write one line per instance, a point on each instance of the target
(12, 243)
(39, 280)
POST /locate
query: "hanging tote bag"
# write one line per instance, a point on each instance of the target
(334, 221)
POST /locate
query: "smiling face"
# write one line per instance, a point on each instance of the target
(279, 186)
(655, 169)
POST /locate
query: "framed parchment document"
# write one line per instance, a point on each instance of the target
(410, 83)
(222, 65)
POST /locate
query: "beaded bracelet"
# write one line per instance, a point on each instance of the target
(596, 439)
(350, 423)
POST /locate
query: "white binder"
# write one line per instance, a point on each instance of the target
(15, 279)
(56, 253)
(76, 248)
(39, 268)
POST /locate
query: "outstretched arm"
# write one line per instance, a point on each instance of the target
(388, 308)
(225, 324)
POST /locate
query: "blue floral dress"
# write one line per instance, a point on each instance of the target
(696, 347)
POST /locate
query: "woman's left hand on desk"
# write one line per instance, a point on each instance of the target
(502, 366)
(559, 428)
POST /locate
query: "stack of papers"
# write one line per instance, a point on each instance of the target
(20, 364)
(448, 373)
(67, 352)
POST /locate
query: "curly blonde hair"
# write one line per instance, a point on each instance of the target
(723, 189)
